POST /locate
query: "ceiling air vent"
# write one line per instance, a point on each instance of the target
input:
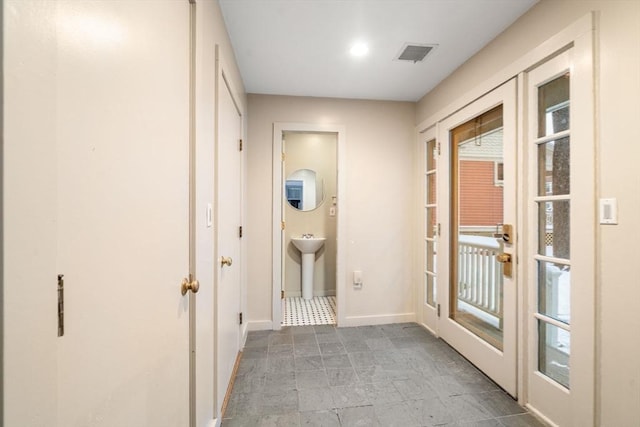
(415, 52)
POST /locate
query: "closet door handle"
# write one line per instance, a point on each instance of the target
(189, 285)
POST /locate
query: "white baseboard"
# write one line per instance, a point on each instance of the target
(260, 325)
(316, 293)
(216, 422)
(378, 319)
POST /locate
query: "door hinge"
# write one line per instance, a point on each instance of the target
(60, 305)
(438, 309)
(240, 146)
(281, 294)
(282, 225)
(240, 231)
(240, 318)
(438, 145)
(438, 232)
(283, 157)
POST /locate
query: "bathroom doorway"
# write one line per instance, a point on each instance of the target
(306, 236)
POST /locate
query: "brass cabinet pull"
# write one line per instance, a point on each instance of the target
(192, 286)
(226, 261)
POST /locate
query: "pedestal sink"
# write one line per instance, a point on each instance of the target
(308, 245)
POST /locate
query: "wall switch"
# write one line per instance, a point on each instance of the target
(357, 279)
(209, 215)
(332, 211)
(608, 211)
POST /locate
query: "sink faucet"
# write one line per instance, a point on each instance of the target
(307, 236)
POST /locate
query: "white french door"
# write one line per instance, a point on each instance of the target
(466, 297)
(476, 287)
(560, 238)
(430, 229)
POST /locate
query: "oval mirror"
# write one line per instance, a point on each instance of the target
(304, 190)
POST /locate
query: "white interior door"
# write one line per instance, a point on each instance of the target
(476, 292)
(123, 200)
(228, 215)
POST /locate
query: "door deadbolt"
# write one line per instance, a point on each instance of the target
(507, 233)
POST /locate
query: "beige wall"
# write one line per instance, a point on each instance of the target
(618, 83)
(379, 143)
(315, 151)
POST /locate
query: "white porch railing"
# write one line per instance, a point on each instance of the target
(480, 273)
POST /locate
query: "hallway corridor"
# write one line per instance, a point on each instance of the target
(388, 375)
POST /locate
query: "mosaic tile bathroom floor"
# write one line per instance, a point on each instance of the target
(316, 311)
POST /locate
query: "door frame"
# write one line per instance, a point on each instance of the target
(277, 205)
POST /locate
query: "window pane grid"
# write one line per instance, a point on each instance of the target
(552, 146)
(555, 260)
(552, 321)
(430, 227)
(554, 349)
(559, 198)
(559, 135)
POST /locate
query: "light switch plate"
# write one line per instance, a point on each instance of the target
(209, 215)
(609, 211)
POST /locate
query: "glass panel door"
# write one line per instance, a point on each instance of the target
(560, 258)
(476, 280)
(431, 225)
(476, 231)
(553, 257)
(429, 240)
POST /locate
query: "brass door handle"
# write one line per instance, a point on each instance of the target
(504, 258)
(187, 285)
(226, 261)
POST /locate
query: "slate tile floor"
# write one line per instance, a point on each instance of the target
(388, 375)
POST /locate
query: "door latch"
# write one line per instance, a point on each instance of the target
(60, 305)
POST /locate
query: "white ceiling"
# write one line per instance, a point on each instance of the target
(301, 47)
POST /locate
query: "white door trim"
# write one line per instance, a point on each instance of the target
(278, 129)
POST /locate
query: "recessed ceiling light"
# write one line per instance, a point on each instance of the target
(359, 49)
